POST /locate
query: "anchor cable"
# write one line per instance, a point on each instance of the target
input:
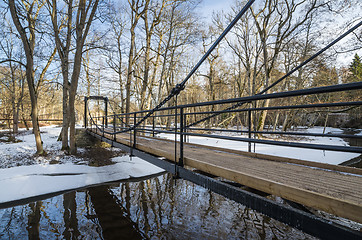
(284, 77)
(181, 86)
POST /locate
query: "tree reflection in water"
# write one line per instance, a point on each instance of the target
(33, 220)
(70, 216)
(156, 208)
(111, 215)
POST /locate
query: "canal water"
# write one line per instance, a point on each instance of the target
(156, 208)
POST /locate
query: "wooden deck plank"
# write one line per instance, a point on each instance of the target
(331, 167)
(321, 186)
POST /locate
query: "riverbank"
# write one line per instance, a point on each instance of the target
(24, 175)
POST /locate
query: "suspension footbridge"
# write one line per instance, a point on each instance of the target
(307, 186)
(245, 176)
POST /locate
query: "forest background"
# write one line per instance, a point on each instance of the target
(55, 53)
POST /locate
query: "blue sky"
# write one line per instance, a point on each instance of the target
(209, 6)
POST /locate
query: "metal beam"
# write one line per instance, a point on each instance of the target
(97, 97)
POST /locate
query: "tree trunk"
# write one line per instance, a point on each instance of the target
(15, 119)
(65, 125)
(81, 35)
(82, 26)
(72, 93)
(34, 120)
(325, 123)
(135, 16)
(285, 123)
(14, 105)
(28, 44)
(263, 114)
(129, 73)
(15, 112)
(22, 116)
(146, 72)
(72, 143)
(276, 122)
(34, 220)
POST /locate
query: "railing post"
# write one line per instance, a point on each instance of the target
(153, 126)
(85, 112)
(134, 131)
(130, 134)
(114, 128)
(114, 123)
(181, 160)
(106, 112)
(185, 129)
(249, 130)
(103, 119)
(175, 127)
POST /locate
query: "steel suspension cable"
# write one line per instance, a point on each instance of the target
(117, 115)
(179, 87)
(286, 75)
(94, 122)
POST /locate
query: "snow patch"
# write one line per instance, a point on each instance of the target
(321, 156)
(28, 181)
(40, 177)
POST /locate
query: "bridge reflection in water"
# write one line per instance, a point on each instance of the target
(157, 208)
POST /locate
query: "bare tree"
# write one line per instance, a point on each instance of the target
(116, 47)
(85, 11)
(244, 43)
(178, 32)
(12, 77)
(151, 17)
(138, 9)
(276, 22)
(27, 35)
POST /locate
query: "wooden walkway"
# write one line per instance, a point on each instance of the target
(334, 189)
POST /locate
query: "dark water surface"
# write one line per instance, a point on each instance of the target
(355, 142)
(157, 208)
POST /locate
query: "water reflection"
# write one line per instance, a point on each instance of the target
(157, 208)
(70, 216)
(112, 217)
(33, 220)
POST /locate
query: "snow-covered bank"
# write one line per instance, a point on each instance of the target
(330, 157)
(22, 153)
(41, 177)
(28, 181)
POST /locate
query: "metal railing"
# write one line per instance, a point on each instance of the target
(204, 119)
(194, 119)
(175, 120)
